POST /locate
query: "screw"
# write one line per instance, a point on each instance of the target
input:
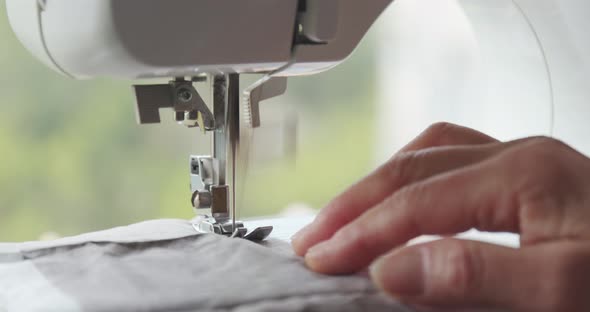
(184, 95)
(201, 199)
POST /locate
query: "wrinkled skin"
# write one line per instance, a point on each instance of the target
(451, 179)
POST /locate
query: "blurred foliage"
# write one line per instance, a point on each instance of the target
(72, 158)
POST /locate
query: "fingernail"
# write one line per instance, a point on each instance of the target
(299, 241)
(315, 255)
(314, 252)
(299, 233)
(401, 273)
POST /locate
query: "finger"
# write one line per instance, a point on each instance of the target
(381, 183)
(445, 134)
(483, 196)
(405, 169)
(456, 273)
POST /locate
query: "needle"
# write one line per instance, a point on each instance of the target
(233, 192)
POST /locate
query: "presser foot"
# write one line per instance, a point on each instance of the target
(209, 225)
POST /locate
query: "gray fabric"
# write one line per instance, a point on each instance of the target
(139, 232)
(163, 265)
(190, 272)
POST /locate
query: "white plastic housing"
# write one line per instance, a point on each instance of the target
(152, 38)
(164, 38)
(510, 68)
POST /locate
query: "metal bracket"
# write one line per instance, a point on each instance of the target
(181, 96)
(264, 89)
(205, 193)
(202, 178)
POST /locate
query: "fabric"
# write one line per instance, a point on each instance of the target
(164, 265)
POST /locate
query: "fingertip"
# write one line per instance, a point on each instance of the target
(310, 235)
(299, 246)
(324, 258)
(311, 261)
(375, 272)
(306, 239)
(298, 242)
(314, 258)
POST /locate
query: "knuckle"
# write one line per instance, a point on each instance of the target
(459, 269)
(440, 132)
(540, 174)
(401, 168)
(540, 162)
(548, 143)
(544, 152)
(439, 127)
(540, 218)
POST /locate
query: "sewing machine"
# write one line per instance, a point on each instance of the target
(198, 41)
(449, 60)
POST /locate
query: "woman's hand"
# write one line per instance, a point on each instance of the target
(451, 179)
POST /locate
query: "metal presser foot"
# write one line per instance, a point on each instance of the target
(213, 201)
(213, 178)
(208, 224)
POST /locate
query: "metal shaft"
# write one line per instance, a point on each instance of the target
(220, 102)
(233, 127)
(226, 111)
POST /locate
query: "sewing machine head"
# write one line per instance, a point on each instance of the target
(198, 41)
(184, 38)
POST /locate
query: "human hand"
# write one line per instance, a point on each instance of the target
(451, 179)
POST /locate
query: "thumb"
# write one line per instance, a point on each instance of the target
(459, 273)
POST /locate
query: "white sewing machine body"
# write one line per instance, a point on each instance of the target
(510, 68)
(153, 38)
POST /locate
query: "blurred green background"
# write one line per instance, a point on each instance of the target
(73, 159)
